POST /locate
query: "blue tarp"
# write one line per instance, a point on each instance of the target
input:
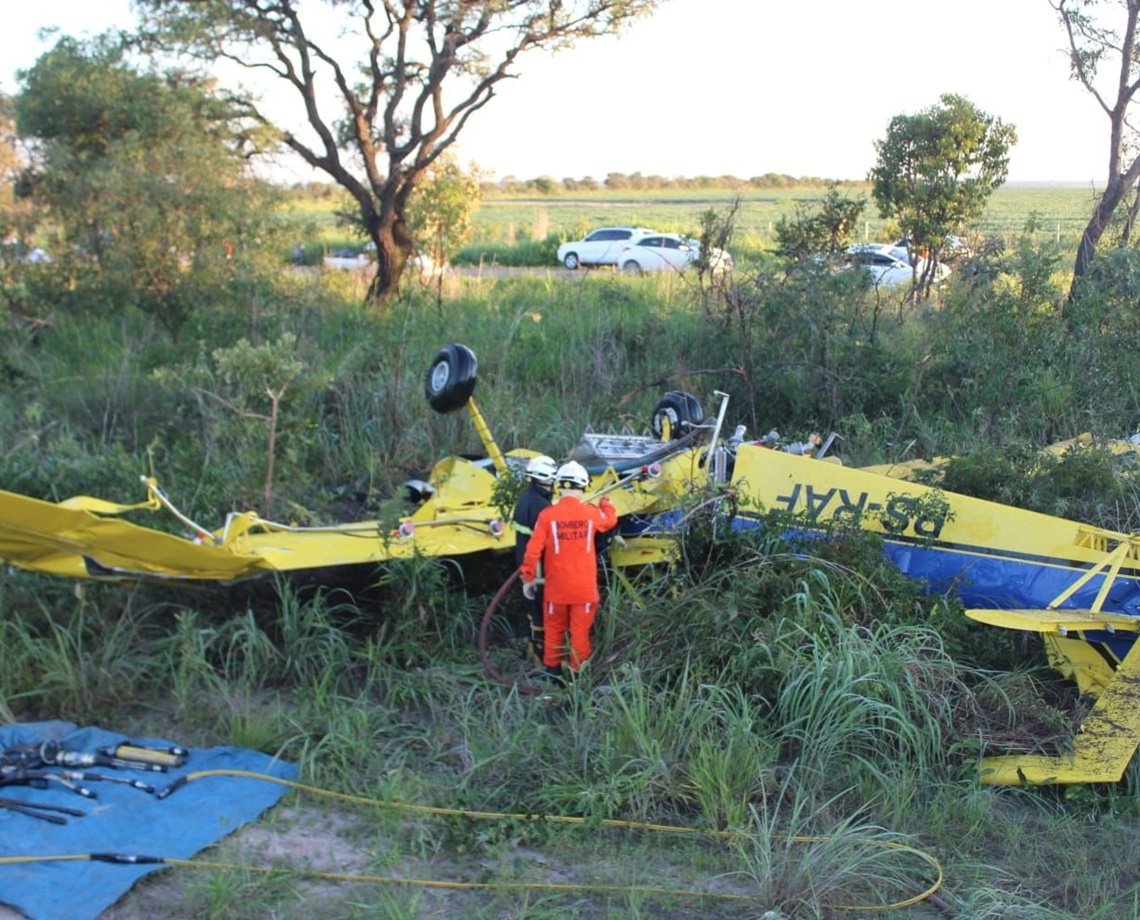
(121, 820)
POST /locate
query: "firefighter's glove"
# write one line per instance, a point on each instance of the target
(530, 590)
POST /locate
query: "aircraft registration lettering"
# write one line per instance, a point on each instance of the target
(905, 512)
(900, 513)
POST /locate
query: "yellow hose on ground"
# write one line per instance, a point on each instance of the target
(128, 859)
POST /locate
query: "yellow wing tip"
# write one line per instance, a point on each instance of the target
(1041, 770)
(1044, 620)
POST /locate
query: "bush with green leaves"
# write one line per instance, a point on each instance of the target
(820, 231)
(1088, 481)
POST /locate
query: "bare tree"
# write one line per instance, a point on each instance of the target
(385, 91)
(1092, 44)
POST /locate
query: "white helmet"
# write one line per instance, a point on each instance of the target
(573, 474)
(541, 469)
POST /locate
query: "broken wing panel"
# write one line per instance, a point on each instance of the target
(67, 539)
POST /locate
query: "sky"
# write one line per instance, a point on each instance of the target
(745, 87)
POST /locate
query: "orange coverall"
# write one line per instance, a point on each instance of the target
(564, 540)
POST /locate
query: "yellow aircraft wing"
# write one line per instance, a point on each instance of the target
(67, 539)
(86, 537)
(1056, 621)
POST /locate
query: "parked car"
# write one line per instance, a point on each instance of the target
(420, 263)
(425, 266)
(346, 258)
(955, 248)
(654, 252)
(18, 252)
(885, 268)
(599, 248)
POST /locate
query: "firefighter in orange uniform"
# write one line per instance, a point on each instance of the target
(564, 540)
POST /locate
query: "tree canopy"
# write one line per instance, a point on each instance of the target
(8, 158)
(936, 169)
(384, 95)
(143, 175)
(9, 168)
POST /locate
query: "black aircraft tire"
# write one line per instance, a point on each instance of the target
(683, 411)
(450, 380)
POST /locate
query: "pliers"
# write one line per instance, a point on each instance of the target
(39, 810)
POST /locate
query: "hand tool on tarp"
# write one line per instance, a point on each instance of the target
(51, 813)
(172, 756)
(87, 776)
(39, 779)
(51, 754)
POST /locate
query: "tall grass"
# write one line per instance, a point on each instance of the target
(849, 755)
(804, 860)
(79, 663)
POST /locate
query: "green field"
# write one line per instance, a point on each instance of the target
(1058, 214)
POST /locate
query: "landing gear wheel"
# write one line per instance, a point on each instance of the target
(451, 378)
(681, 410)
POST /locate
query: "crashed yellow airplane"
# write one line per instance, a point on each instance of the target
(1077, 585)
